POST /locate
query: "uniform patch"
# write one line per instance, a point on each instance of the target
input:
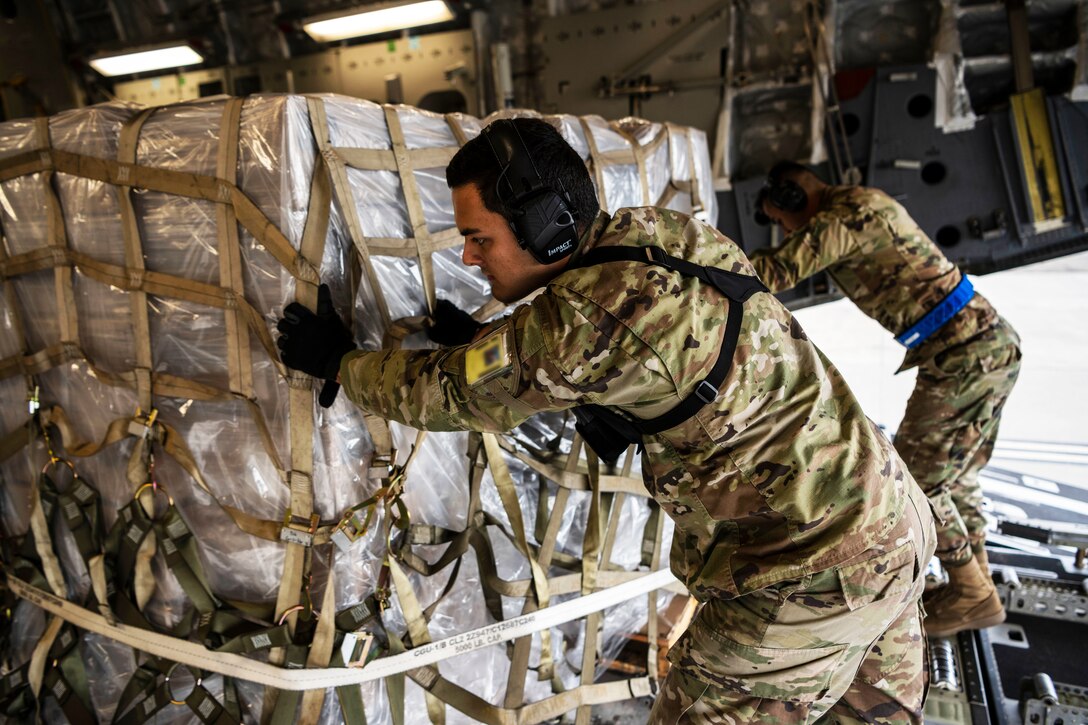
(487, 358)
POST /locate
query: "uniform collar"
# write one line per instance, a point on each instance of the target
(589, 239)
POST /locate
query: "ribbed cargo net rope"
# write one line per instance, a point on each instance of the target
(186, 535)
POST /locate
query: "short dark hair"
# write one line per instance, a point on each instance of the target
(779, 172)
(560, 167)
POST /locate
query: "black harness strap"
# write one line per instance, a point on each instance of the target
(736, 287)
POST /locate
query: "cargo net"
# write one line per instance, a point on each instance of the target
(187, 536)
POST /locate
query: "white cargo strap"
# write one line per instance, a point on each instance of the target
(196, 655)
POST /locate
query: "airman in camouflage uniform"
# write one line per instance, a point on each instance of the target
(882, 261)
(797, 525)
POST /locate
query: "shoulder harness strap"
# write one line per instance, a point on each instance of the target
(736, 287)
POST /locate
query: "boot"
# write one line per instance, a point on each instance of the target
(968, 601)
(983, 560)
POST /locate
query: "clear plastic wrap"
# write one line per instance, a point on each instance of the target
(242, 446)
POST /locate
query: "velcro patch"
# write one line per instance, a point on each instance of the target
(487, 358)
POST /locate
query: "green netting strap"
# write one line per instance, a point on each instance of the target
(66, 680)
(16, 699)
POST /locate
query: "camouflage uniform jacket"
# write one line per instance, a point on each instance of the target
(882, 261)
(781, 476)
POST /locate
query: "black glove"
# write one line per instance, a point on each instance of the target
(314, 342)
(452, 326)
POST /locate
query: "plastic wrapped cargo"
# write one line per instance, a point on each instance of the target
(147, 256)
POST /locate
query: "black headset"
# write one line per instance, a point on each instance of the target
(784, 194)
(540, 215)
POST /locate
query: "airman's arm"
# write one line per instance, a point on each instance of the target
(532, 363)
(814, 247)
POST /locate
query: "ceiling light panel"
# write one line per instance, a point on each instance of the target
(174, 56)
(382, 18)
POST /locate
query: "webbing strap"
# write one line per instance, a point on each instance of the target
(142, 699)
(81, 510)
(173, 444)
(43, 542)
(160, 283)
(456, 129)
(342, 190)
(66, 680)
(690, 187)
(519, 662)
(641, 153)
(614, 508)
(349, 696)
(591, 562)
(596, 163)
(320, 654)
(696, 194)
(297, 558)
(179, 183)
(239, 362)
(333, 163)
(195, 655)
(420, 235)
(58, 238)
(180, 553)
(572, 479)
(284, 703)
(16, 700)
(15, 314)
(417, 630)
(39, 659)
(654, 527)
(736, 287)
(545, 710)
(424, 245)
(500, 473)
(591, 543)
(127, 145)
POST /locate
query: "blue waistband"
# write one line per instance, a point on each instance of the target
(945, 310)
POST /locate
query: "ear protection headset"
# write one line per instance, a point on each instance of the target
(784, 194)
(541, 217)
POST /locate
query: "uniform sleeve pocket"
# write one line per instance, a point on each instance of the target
(879, 577)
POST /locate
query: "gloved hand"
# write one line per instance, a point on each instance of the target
(452, 326)
(314, 342)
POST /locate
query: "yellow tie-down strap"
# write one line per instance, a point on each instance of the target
(196, 655)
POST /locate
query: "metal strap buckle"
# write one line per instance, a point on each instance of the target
(141, 426)
(355, 648)
(297, 530)
(351, 526)
(706, 392)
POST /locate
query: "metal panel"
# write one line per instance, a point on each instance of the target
(966, 190)
(427, 63)
(575, 45)
(884, 33)
(171, 88)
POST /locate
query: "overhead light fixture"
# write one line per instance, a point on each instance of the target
(142, 60)
(378, 18)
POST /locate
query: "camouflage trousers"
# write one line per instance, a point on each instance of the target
(845, 645)
(948, 432)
